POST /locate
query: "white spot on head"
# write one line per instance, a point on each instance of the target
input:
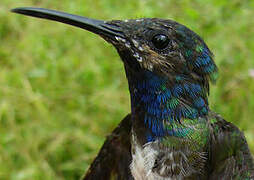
(127, 44)
(140, 48)
(136, 55)
(139, 58)
(150, 67)
(120, 39)
(136, 44)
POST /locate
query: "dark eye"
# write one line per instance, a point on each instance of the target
(160, 41)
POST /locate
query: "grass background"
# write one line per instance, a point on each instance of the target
(62, 89)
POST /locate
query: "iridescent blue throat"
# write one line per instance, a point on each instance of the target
(165, 103)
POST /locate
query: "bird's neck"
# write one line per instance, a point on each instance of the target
(160, 105)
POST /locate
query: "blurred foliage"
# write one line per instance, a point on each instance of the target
(62, 89)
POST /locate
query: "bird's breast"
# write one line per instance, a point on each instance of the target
(160, 161)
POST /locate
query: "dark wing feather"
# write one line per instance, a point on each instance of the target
(114, 158)
(230, 157)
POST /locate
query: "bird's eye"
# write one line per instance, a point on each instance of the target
(160, 41)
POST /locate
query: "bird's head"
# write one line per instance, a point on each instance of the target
(163, 47)
(168, 66)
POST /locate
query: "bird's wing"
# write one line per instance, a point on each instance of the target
(114, 158)
(229, 156)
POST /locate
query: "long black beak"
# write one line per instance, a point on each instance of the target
(99, 27)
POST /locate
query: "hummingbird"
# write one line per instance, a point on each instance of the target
(171, 133)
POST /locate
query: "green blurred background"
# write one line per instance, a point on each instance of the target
(62, 89)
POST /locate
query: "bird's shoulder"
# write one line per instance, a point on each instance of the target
(114, 157)
(229, 154)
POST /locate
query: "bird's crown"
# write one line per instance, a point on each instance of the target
(164, 47)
